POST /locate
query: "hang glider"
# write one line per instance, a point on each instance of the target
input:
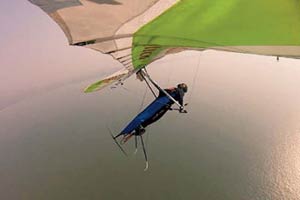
(136, 32)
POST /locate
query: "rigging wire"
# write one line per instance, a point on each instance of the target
(143, 100)
(194, 79)
(169, 76)
(145, 70)
(150, 87)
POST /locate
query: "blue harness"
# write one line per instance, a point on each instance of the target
(149, 112)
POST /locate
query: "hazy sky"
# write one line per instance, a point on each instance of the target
(35, 54)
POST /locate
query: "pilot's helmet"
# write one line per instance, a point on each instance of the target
(183, 86)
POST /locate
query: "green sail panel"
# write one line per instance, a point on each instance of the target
(235, 25)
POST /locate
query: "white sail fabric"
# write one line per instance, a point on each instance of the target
(103, 25)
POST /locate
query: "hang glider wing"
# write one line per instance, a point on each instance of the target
(137, 32)
(106, 26)
(264, 27)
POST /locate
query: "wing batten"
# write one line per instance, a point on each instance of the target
(136, 32)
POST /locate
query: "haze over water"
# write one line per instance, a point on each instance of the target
(240, 139)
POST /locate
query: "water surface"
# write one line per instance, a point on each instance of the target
(240, 139)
